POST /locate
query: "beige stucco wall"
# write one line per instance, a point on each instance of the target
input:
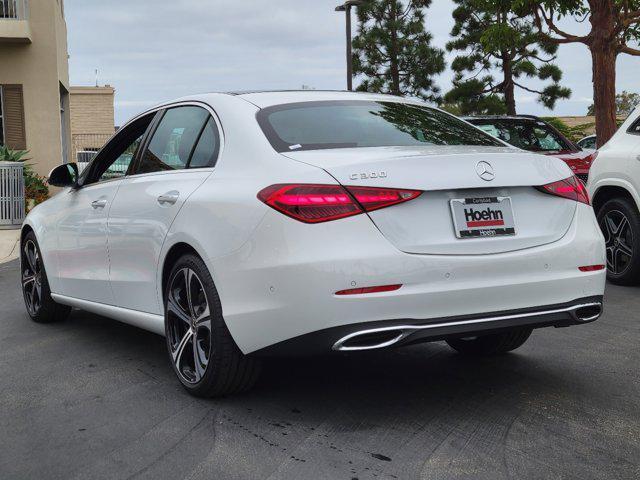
(92, 110)
(41, 67)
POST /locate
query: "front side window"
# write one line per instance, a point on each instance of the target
(115, 159)
(525, 134)
(174, 140)
(353, 124)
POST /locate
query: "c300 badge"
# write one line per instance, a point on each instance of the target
(367, 176)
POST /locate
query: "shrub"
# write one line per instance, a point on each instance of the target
(36, 188)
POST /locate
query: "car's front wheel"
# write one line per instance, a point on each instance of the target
(35, 285)
(492, 344)
(201, 350)
(620, 224)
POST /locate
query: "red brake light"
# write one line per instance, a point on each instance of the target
(321, 203)
(570, 188)
(375, 198)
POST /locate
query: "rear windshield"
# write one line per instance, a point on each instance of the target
(532, 135)
(352, 124)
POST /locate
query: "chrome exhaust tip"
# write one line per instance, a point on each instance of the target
(587, 312)
(371, 339)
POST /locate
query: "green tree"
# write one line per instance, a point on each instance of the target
(625, 103)
(470, 98)
(615, 29)
(490, 37)
(392, 50)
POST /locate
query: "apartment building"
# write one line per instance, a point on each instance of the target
(92, 120)
(34, 81)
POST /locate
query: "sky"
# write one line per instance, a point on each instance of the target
(156, 50)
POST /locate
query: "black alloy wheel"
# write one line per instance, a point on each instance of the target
(619, 241)
(202, 352)
(619, 221)
(189, 326)
(32, 277)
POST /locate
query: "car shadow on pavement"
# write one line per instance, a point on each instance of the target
(430, 373)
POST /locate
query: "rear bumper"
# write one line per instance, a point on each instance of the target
(281, 284)
(394, 333)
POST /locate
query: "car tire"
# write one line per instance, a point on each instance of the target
(35, 285)
(202, 352)
(620, 223)
(493, 344)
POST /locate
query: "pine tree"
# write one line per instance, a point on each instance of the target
(615, 30)
(499, 50)
(392, 50)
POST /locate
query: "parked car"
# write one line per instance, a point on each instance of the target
(535, 135)
(615, 187)
(313, 222)
(588, 143)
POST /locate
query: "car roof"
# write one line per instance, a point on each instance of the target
(268, 98)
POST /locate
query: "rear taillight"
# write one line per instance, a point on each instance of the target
(570, 188)
(321, 203)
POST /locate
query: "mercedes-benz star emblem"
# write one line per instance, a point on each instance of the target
(485, 171)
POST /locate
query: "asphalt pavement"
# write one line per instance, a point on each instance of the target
(92, 398)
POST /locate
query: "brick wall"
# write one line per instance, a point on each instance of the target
(92, 110)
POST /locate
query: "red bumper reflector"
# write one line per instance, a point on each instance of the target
(591, 268)
(360, 291)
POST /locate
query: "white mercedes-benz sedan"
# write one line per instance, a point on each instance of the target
(241, 225)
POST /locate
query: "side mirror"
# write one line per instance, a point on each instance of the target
(64, 175)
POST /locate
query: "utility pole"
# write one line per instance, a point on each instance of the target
(347, 9)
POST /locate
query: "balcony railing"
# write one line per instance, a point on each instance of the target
(14, 9)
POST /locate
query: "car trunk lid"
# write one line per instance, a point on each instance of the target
(425, 225)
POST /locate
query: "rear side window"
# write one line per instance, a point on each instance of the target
(173, 141)
(634, 129)
(206, 151)
(535, 136)
(352, 124)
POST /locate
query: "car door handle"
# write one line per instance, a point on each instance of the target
(169, 198)
(99, 204)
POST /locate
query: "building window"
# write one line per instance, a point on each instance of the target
(12, 120)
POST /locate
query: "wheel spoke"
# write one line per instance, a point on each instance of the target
(189, 279)
(176, 309)
(30, 257)
(622, 226)
(179, 350)
(38, 291)
(624, 248)
(611, 225)
(204, 317)
(200, 361)
(27, 279)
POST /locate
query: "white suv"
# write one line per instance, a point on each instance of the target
(614, 185)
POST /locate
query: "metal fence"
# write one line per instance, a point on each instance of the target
(85, 146)
(14, 9)
(12, 208)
